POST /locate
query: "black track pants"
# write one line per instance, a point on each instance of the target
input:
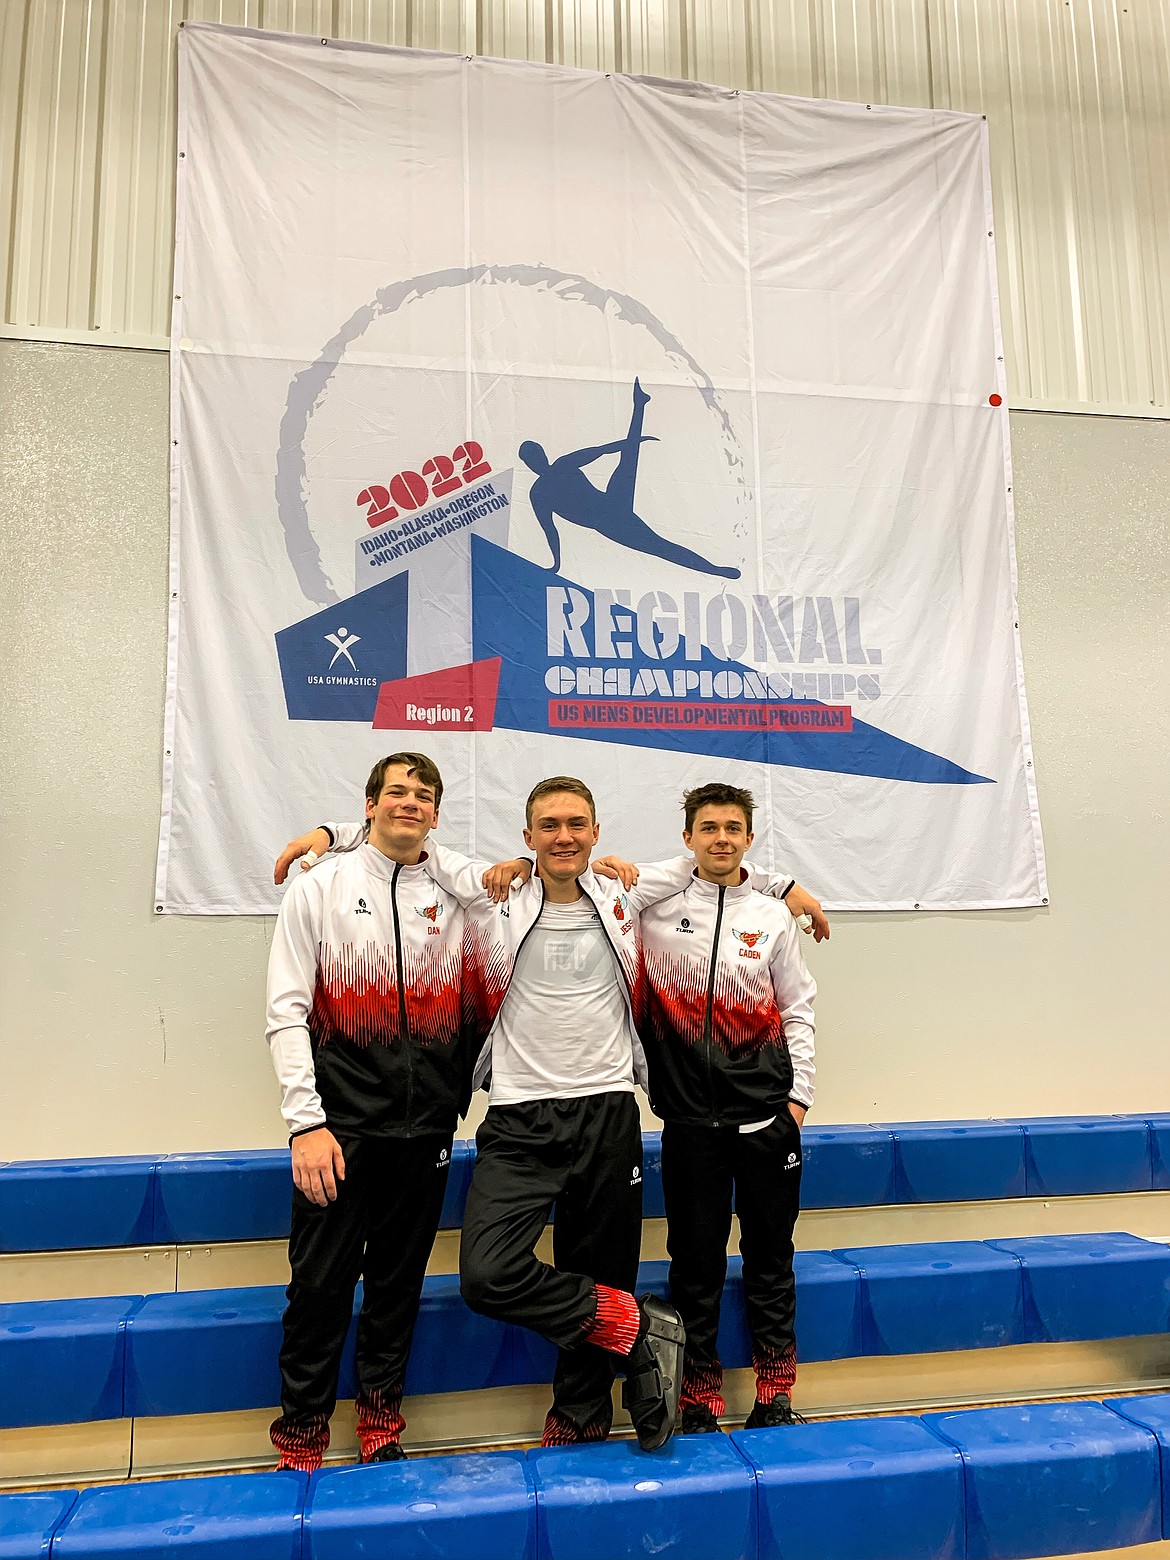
(702, 1167)
(582, 1157)
(380, 1229)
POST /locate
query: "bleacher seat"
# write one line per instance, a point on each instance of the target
(857, 1489)
(828, 1310)
(248, 1196)
(215, 1351)
(1054, 1479)
(693, 1500)
(62, 1361)
(1160, 1151)
(434, 1508)
(454, 1349)
(847, 1167)
(958, 1161)
(204, 1351)
(1086, 1156)
(75, 1204)
(937, 1296)
(827, 1297)
(1079, 1287)
(244, 1516)
(986, 1484)
(63, 1205)
(221, 1197)
(1153, 1414)
(28, 1522)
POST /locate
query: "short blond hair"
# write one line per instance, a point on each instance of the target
(552, 787)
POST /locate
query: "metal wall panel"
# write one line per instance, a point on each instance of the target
(1077, 96)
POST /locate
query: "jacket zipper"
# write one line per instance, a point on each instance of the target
(403, 1023)
(709, 1014)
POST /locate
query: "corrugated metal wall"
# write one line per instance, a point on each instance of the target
(1076, 92)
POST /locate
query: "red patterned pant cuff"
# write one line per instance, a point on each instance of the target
(560, 1430)
(704, 1384)
(775, 1374)
(379, 1420)
(302, 1446)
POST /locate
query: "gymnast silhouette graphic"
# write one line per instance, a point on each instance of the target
(562, 489)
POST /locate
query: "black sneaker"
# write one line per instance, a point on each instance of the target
(766, 1416)
(391, 1452)
(697, 1419)
(654, 1373)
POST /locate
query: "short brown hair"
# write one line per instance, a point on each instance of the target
(415, 764)
(718, 794)
(554, 785)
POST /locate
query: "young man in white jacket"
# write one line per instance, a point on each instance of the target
(726, 1014)
(368, 1035)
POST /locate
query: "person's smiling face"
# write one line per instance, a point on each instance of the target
(562, 834)
(720, 839)
(403, 815)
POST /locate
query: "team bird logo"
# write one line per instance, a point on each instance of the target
(430, 912)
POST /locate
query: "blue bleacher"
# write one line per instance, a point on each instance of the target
(939, 1295)
(221, 1197)
(982, 1484)
(1160, 1152)
(1080, 1287)
(434, 1508)
(847, 1167)
(74, 1204)
(63, 1205)
(28, 1522)
(1054, 1479)
(245, 1516)
(1086, 1156)
(885, 1488)
(63, 1361)
(693, 1500)
(215, 1350)
(1152, 1413)
(958, 1161)
(204, 1351)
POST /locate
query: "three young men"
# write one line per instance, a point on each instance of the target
(553, 974)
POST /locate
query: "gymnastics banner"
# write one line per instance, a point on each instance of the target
(560, 423)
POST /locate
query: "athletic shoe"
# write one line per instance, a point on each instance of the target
(697, 1419)
(391, 1452)
(654, 1372)
(766, 1416)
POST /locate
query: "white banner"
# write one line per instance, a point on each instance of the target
(559, 423)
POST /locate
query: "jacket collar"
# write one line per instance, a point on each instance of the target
(381, 866)
(704, 890)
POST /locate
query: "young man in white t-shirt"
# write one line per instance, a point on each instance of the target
(553, 971)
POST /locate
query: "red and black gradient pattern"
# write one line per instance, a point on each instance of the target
(301, 1446)
(560, 1430)
(775, 1373)
(357, 1002)
(703, 1384)
(672, 1004)
(616, 1321)
(379, 1420)
(486, 972)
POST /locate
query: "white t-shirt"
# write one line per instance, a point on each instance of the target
(564, 1028)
